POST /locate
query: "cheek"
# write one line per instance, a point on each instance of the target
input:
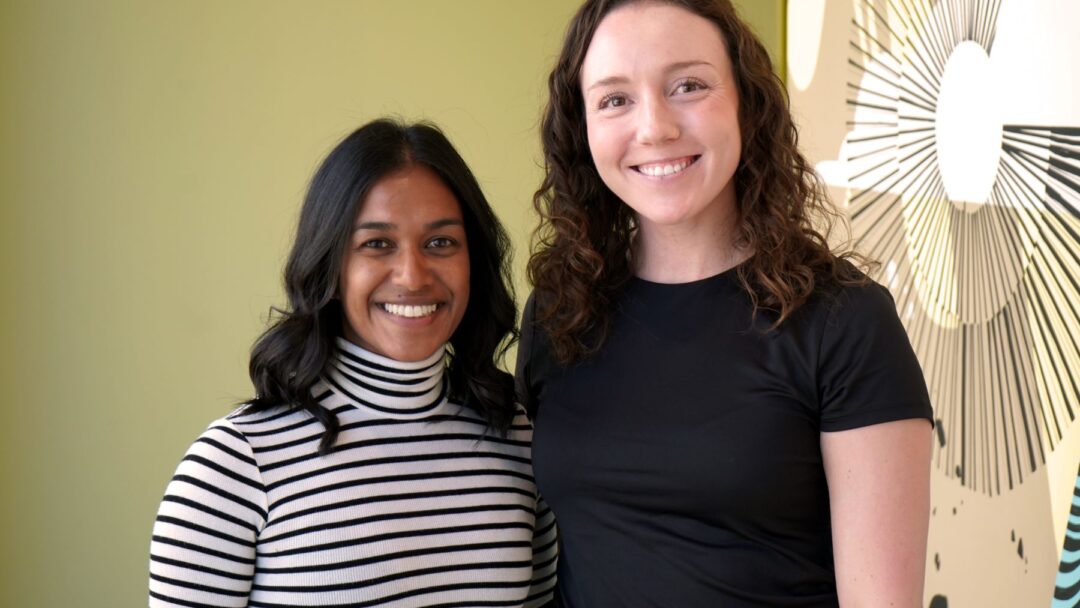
(354, 288)
(600, 142)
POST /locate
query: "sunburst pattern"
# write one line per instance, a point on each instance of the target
(988, 290)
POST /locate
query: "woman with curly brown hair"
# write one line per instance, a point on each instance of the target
(727, 412)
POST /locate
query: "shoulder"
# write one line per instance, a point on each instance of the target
(867, 370)
(845, 298)
(224, 443)
(246, 420)
(866, 301)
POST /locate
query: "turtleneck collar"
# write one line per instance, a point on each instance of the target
(390, 387)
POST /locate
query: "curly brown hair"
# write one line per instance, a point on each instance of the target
(580, 259)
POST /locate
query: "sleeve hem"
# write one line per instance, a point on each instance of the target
(880, 415)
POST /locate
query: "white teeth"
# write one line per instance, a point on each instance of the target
(412, 312)
(663, 170)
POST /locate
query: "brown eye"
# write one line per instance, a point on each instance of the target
(689, 86)
(441, 242)
(375, 244)
(615, 100)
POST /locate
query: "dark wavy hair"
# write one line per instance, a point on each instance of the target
(288, 359)
(580, 258)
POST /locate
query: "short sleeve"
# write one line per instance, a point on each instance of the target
(202, 551)
(867, 371)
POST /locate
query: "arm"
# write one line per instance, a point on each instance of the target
(545, 556)
(202, 552)
(879, 489)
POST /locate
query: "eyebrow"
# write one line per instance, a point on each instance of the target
(387, 226)
(679, 65)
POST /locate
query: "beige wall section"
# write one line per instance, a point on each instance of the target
(153, 156)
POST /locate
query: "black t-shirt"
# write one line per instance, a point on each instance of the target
(683, 462)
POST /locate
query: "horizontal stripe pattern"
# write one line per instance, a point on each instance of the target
(417, 505)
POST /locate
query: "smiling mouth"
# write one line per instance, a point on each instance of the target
(410, 311)
(665, 169)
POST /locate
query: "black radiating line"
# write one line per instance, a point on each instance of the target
(989, 25)
(1054, 350)
(857, 89)
(971, 24)
(1025, 160)
(872, 189)
(998, 402)
(1020, 351)
(854, 124)
(1018, 344)
(875, 152)
(887, 135)
(1012, 451)
(982, 276)
(1070, 336)
(963, 402)
(927, 103)
(913, 118)
(991, 438)
(932, 20)
(862, 104)
(866, 69)
(882, 20)
(934, 66)
(1008, 180)
(869, 52)
(1022, 404)
(1022, 354)
(991, 34)
(1060, 374)
(939, 242)
(949, 23)
(1008, 232)
(1029, 162)
(922, 166)
(873, 168)
(916, 201)
(919, 130)
(871, 222)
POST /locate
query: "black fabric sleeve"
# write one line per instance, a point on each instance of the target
(867, 371)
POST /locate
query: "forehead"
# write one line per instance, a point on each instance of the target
(415, 192)
(644, 34)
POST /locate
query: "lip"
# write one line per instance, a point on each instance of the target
(660, 165)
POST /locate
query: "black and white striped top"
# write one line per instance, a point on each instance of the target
(418, 504)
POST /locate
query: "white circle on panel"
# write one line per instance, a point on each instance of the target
(968, 126)
(804, 41)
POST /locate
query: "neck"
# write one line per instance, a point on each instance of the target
(391, 387)
(681, 253)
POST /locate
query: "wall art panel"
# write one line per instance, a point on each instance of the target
(949, 132)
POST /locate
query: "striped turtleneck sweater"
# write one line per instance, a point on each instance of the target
(418, 504)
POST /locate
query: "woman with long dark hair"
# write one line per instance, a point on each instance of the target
(727, 411)
(382, 461)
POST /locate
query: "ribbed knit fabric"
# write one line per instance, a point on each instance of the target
(419, 504)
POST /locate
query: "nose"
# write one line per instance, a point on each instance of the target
(412, 271)
(657, 122)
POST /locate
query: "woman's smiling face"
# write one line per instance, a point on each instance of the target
(404, 282)
(661, 108)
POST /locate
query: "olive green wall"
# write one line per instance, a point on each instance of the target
(768, 17)
(152, 160)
